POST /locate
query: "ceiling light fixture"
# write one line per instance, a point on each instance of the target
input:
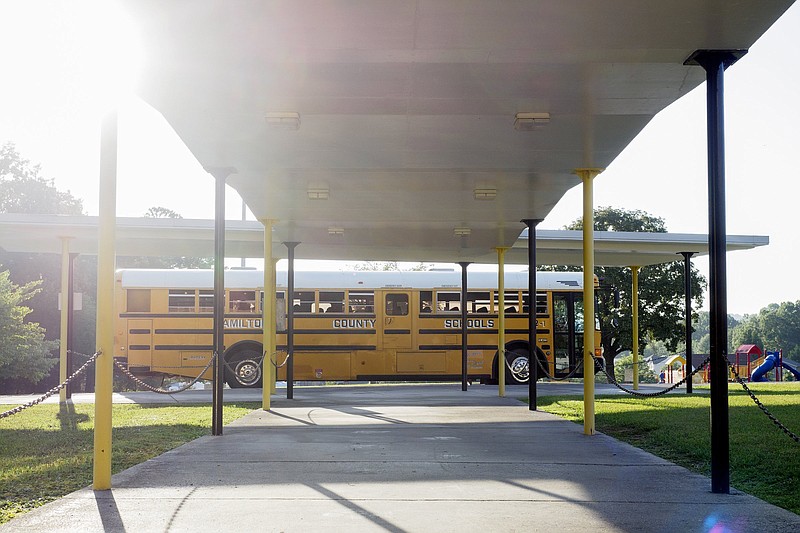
(283, 121)
(530, 121)
(332, 230)
(486, 193)
(462, 232)
(318, 193)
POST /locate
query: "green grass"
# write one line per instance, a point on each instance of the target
(765, 462)
(46, 450)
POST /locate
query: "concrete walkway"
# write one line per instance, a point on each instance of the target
(405, 458)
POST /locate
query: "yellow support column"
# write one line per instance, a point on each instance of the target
(635, 325)
(587, 175)
(268, 317)
(104, 372)
(501, 321)
(62, 359)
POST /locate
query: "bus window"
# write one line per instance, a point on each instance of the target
(478, 302)
(425, 301)
(397, 304)
(541, 303)
(138, 301)
(206, 301)
(181, 300)
(512, 303)
(242, 301)
(331, 301)
(304, 301)
(448, 301)
(361, 302)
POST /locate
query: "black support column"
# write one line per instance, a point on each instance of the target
(714, 62)
(464, 328)
(533, 363)
(218, 374)
(687, 294)
(290, 246)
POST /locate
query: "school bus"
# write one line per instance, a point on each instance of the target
(365, 326)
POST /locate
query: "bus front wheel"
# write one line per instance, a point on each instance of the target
(243, 369)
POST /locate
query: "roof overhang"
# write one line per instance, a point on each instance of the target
(367, 129)
(195, 238)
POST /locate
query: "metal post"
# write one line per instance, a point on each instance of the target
(104, 364)
(71, 322)
(587, 175)
(635, 324)
(533, 362)
(464, 328)
(63, 359)
(687, 293)
(218, 374)
(501, 322)
(714, 62)
(268, 318)
(290, 246)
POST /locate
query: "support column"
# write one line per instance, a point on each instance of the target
(104, 364)
(714, 62)
(464, 328)
(273, 385)
(268, 318)
(218, 374)
(290, 246)
(501, 322)
(63, 359)
(687, 293)
(635, 325)
(587, 175)
(71, 325)
(533, 363)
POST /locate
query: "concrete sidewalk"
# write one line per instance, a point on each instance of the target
(405, 458)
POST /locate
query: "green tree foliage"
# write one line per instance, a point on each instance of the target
(24, 352)
(24, 190)
(661, 289)
(163, 262)
(776, 326)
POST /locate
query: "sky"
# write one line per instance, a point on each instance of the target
(49, 55)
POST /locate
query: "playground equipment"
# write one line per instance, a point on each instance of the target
(772, 360)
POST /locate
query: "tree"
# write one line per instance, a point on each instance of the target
(776, 326)
(387, 266)
(24, 190)
(661, 289)
(163, 262)
(24, 352)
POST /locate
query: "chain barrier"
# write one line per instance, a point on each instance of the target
(275, 361)
(761, 406)
(55, 389)
(158, 390)
(613, 380)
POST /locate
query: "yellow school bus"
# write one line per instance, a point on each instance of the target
(364, 326)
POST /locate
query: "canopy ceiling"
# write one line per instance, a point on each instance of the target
(406, 107)
(195, 238)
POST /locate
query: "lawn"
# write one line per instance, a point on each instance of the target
(765, 462)
(46, 451)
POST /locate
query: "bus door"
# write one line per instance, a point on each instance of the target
(567, 332)
(397, 320)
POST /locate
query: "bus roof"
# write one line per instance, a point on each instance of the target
(304, 279)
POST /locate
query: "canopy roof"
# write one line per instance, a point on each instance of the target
(195, 238)
(375, 129)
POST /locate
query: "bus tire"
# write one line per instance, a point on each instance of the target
(243, 369)
(518, 363)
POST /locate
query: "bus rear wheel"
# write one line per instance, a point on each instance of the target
(243, 369)
(518, 368)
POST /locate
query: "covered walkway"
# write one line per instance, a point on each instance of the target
(405, 458)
